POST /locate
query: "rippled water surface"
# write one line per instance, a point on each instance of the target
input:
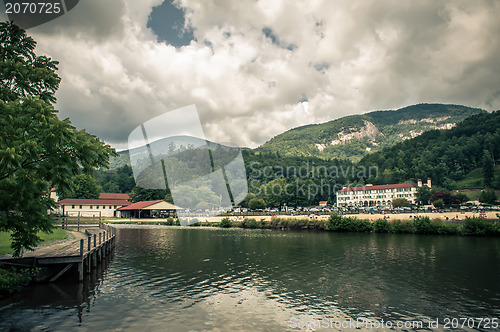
(178, 279)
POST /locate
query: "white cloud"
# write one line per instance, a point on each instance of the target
(346, 57)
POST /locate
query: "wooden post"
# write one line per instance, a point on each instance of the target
(95, 240)
(88, 243)
(80, 264)
(105, 243)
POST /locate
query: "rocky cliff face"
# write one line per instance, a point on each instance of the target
(368, 132)
(353, 136)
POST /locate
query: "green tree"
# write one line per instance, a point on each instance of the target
(463, 197)
(400, 202)
(22, 73)
(37, 150)
(257, 203)
(438, 203)
(140, 194)
(85, 186)
(488, 196)
(275, 192)
(488, 170)
(423, 195)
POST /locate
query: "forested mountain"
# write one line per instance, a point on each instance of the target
(444, 155)
(354, 136)
(280, 176)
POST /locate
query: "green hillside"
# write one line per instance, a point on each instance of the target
(450, 157)
(354, 136)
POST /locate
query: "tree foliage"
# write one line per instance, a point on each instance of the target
(400, 202)
(488, 170)
(22, 73)
(85, 186)
(488, 196)
(256, 203)
(423, 195)
(446, 156)
(447, 198)
(37, 150)
(393, 125)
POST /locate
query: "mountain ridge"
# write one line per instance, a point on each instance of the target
(353, 136)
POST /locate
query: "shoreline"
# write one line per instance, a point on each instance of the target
(452, 216)
(337, 223)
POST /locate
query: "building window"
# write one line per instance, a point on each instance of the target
(90, 207)
(80, 206)
(72, 206)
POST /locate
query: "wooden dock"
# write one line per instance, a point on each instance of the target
(55, 260)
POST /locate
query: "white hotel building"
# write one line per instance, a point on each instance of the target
(381, 195)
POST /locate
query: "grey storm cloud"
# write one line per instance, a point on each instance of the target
(257, 68)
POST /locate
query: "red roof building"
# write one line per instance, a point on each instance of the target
(147, 209)
(379, 195)
(114, 196)
(82, 207)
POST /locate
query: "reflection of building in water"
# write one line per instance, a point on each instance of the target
(380, 195)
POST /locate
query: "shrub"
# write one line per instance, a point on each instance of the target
(496, 228)
(336, 223)
(423, 225)
(359, 225)
(249, 223)
(476, 226)
(170, 221)
(381, 226)
(445, 228)
(225, 222)
(399, 226)
(12, 280)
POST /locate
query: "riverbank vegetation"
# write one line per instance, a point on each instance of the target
(338, 223)
(13, 279)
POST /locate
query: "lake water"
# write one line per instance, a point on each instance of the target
(192, 279)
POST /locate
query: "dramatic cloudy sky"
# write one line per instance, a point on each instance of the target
(257, 68)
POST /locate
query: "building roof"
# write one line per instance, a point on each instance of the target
(114, 196)
(150, 205)
(95, 201)
(139, 205)
(383, 186)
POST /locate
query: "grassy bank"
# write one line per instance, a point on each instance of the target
(57, 234)
(12, 279)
